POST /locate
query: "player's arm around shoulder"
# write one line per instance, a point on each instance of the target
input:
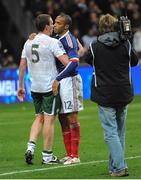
(59, 51)
(64, 59)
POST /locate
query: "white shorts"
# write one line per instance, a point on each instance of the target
(71, 94)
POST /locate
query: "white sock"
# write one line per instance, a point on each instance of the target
(47, 156)
(31, 147)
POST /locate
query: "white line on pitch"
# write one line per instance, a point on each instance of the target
(59, 167)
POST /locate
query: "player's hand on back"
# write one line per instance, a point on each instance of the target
(21, 94)
(32, 36)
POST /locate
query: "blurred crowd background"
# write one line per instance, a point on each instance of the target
(17, 22)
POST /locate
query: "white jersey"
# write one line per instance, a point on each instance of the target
(40, 54)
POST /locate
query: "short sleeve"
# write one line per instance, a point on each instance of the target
(58, 49)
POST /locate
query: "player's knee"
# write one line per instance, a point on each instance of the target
(40, 118)
(73, 117)
(64, 121)
(63, 118)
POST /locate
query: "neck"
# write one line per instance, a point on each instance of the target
(44, 32)
(61, 34)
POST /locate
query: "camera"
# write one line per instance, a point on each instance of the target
(124, 27)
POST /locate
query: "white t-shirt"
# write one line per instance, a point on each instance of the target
(40, 54)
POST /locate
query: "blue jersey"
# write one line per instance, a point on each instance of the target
(71, 47)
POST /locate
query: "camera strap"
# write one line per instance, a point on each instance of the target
(129, 48)
(93, 47)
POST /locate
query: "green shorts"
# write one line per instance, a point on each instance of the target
(46, 103)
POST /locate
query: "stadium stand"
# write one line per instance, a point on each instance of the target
(16, 19)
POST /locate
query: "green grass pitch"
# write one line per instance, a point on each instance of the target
(15, 123)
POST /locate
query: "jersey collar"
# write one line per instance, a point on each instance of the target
(64, 35)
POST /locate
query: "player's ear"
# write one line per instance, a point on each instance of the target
(67, 26)
(46, 27)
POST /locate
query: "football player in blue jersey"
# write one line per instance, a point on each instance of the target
(70, 89)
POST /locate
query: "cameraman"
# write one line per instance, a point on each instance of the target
(111, 88)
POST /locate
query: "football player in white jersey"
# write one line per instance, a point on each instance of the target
(39, 56)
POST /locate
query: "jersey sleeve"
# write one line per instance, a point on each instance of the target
(67, 71)
(58, 49)
(73, 54)
(70, 44)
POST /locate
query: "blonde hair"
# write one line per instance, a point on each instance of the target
(107, 23)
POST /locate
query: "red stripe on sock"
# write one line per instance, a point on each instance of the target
(75, 139)
(67, 142)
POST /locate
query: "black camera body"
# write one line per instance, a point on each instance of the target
(124, 28)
